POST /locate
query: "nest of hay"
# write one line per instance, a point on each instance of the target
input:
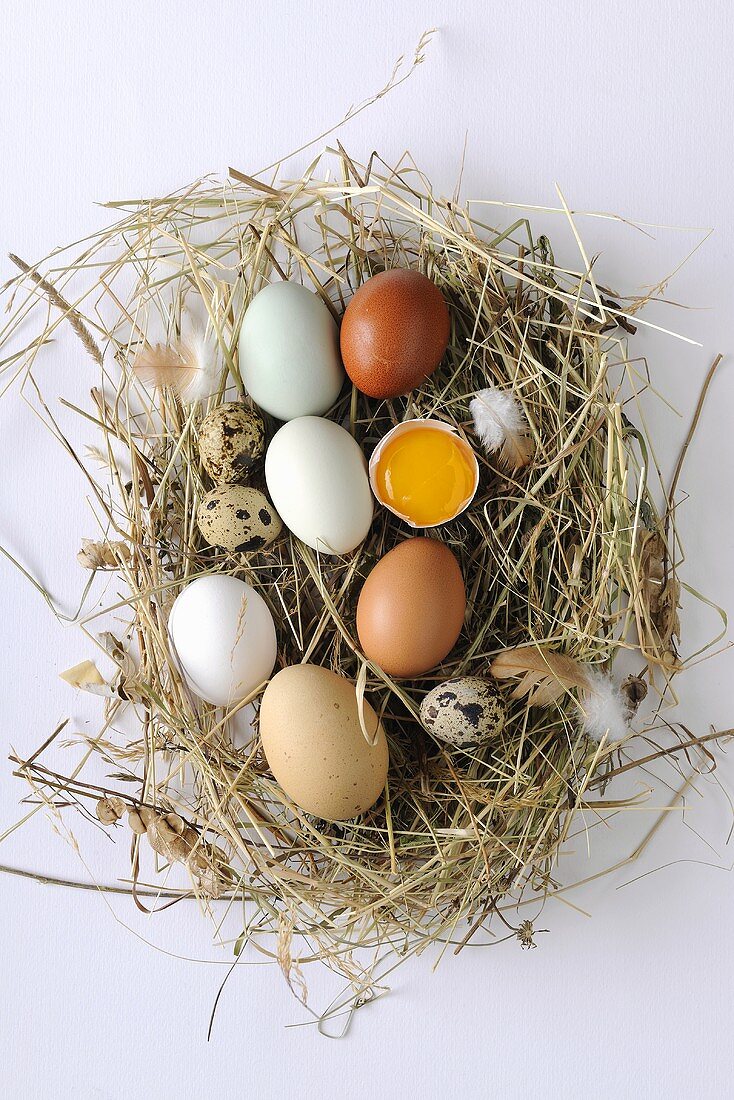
(568, 555)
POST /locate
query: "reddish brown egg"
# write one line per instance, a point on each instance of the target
(394, 333)
(411, 608)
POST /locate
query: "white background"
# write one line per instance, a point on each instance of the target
(628, 107)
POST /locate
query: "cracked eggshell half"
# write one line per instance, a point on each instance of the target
(463, 452)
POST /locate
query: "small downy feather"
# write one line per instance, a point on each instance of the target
(502, 427)
(189, 366)
(544, 676)
(604, 709)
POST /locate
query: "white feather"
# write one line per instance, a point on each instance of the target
(502, 427)
(190, 366)
(205, 349)
(604, 709)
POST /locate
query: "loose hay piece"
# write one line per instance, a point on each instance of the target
(568, 553)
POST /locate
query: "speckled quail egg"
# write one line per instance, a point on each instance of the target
(231, 439)
(239, 518)
(465, 712)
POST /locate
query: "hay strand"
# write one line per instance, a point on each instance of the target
(567, 555)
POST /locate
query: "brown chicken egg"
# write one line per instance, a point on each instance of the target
(314, 744)
(394, 333)
(411, 608)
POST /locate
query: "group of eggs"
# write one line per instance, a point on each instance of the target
(327, 754)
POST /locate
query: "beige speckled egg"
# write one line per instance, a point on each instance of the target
(231, 439)
(314, 744)
(465, 712)
(237, 517)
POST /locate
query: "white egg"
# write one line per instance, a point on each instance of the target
(289, 352)
(241, 727)
(223, 638)
(317, 479)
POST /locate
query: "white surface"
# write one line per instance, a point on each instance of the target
(629, 108)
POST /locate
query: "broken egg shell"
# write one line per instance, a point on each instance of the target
(408, 426)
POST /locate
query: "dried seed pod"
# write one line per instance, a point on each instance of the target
(208, 882)
(135, 822)
(110, 809)
(176, 823)
(173, 846)
(103, 555)
(192, 842)
(147, 815)
(178, 842)
(197, 859)
(658, 601)
(208, 867)
(634, 690)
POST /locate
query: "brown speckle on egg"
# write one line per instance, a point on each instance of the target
(465, 712)
(238, 518)
(231, 440)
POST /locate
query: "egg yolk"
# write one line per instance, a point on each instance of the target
(424, 475)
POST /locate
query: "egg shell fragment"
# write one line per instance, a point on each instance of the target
(317, 479)
(238, 518)
(405, 428)
(314, 744)
(223, 638)
(289, 352)
(231, 440)
(411, 608)
(394, 333)
(466, 712)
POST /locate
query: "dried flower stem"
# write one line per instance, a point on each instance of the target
(58, 300)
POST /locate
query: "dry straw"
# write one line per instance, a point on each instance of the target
(567, 555)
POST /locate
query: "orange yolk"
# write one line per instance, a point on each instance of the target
(424, 475)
